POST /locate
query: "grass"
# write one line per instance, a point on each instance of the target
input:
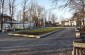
(38, 31)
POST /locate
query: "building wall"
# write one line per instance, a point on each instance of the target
(66, 23)
(20, 26)
(16, 26)
(69, 23)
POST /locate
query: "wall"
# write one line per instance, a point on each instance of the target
(17, 26)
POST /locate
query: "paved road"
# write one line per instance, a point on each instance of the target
(59, 43)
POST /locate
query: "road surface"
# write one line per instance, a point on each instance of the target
(59, 43)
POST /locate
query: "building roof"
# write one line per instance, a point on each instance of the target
(15, 22)
(5, 17)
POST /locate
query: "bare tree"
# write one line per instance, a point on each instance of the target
(19, 15)
(77, 17)
(0, 6)
(77, 5)
(35, 13)
(24, 7)
(2, 3)
(11, 4)
(39, 14)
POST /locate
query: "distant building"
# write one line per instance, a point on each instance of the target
(68, 23)
(4, 17)
(6, 20)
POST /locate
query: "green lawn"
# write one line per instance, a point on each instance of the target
(38, 31)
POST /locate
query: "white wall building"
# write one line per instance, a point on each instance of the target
(17, 25)
(69, 23)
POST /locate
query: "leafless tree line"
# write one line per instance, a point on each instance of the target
(7, 6)
(77, 5)
(30, 12)
(34, 13)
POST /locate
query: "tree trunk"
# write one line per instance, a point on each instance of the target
(83, 10)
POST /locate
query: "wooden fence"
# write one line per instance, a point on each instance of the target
(78, 47)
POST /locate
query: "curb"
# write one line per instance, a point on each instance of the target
(43, 35)
(30, 36)
(34, 36)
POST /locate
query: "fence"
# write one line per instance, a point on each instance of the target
(79, 47)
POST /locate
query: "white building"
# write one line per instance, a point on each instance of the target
(69, 23)
(6, 23)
